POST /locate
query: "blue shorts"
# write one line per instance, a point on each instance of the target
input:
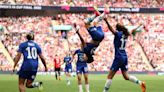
(96, 33)
(81, 69)
(68, 69)
(120, 63)
(89, 51)
(30, 75)
(90, 58)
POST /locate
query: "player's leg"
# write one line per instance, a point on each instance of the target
(30, 81)
(32, 84)
(114, 68)
(85, 72)
(79, 74)
(21, 84)
(95, 31)
(134, 80)
(56, 75)
(67, 78)
(22, 78)
(80, 82)
(67, 73)
(124, 69)
(92, 28)
(101, 16)
(97, 17)
(90, 19)
(59, 78)
(109, 80)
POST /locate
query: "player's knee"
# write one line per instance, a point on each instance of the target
(79, 78)
(86, 78)
(86, 81)
(126, 77)
(109, 76)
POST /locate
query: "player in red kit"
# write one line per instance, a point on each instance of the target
(57, 67)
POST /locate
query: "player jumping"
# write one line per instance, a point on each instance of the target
(28, 70)
(95, 32)
(121, 58)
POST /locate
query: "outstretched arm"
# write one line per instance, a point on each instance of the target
(81, 39)
(134, 30)
(109, 26)
(16, 60)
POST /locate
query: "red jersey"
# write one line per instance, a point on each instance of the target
(57, 62)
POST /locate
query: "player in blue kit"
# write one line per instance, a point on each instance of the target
(95, 32)
(85, 54)
(121, 59)
(28, 70)
(68, 67)
(81, 68)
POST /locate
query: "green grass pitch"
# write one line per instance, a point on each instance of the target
(9, 83)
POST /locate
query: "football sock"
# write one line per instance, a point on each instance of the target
(107, 85)
(99, 18)
(56, 76)
(67, 78)
(90, 19)
(134, 80)
(80, 88)
(87, 87)
(59, 73)
(35, 84)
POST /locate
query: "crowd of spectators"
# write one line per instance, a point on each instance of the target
(112, 3)
(13, 32)
(156, 46)
(53, 43)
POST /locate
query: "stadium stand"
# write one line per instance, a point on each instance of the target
(112, 3)
(51, 41)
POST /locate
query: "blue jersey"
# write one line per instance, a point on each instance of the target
(90, 48)
(120, 61)
(119, 44)
(67, 60)
(80, 60)
(30, 51)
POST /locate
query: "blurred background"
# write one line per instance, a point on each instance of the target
(145, 50)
